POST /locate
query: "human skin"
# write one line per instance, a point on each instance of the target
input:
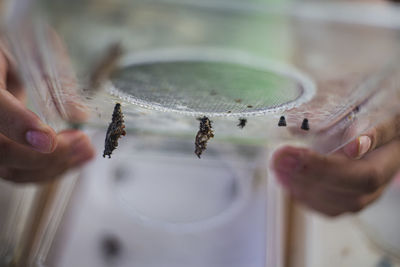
(30, 150)
(346, 181)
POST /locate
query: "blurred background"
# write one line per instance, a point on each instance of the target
(154, 203)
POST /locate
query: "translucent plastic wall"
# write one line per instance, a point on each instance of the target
(155, 203)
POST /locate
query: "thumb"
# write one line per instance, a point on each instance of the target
(374, 138)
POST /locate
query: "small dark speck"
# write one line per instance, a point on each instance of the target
(305, 126)
(250, 106)
(345, 252)
(242, 123)
(76, 126)
(282, 121)
(121, 174)
(232, 191)
(384, 262)
(111, 247)
(229, 111)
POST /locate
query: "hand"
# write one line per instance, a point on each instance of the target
(31, 151)
(346, 181)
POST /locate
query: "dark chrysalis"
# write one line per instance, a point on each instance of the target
(114, 131)
(204, 134)
(304, 125)
(242, 123)
(282, 121)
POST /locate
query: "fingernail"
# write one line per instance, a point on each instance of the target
(364, 145)
(39, 141)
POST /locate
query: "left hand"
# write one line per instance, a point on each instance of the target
(30, 150)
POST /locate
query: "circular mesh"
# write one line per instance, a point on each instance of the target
(212, 86)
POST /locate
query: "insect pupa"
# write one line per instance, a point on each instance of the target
(114, 131)
(204, 134)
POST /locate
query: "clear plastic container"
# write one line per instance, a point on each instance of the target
(154, 203)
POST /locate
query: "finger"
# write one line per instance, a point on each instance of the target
(35, 176)
(321, 199)
(299, 166)
(14, 155)
(373, 138)
(336, 171)
(322, 207)
(9, 77)
(332, 203)
(23, 126)
(14, 86)
(20, 124)
(310, 197)
(69, 154)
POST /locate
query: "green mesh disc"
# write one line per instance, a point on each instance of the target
(210, 85)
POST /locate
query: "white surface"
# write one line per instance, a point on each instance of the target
(381, 222)
(216, 233)
(347, 242)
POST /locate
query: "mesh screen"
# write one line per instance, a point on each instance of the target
(210, 87)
